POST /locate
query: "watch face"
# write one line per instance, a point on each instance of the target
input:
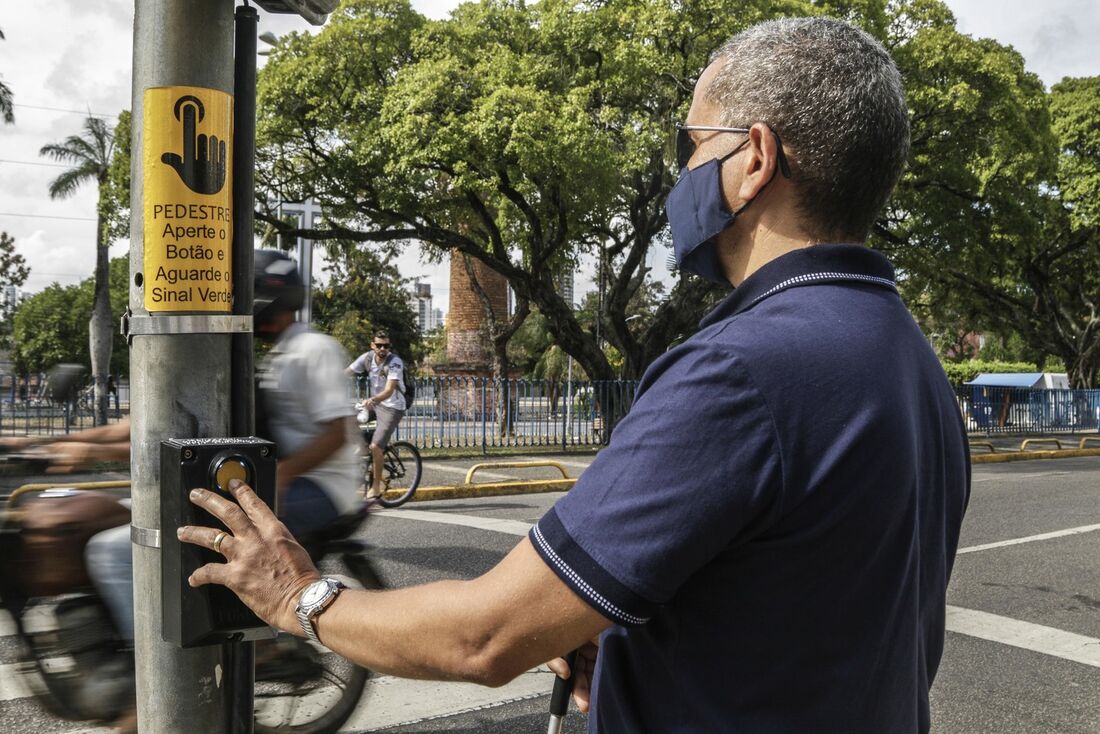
(314, 593)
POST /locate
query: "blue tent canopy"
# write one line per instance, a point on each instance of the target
(1008, 379)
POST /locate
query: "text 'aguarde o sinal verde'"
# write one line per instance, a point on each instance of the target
(195, 270)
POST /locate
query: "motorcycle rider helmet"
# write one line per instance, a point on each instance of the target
(278, 285)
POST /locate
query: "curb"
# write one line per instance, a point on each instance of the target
(1000, 458)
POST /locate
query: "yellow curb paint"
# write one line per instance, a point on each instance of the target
(1002, 457)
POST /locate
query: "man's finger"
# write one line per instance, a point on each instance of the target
(228, 512)
(560, 668)
(205, 537)
(211, 573)
(256, 509)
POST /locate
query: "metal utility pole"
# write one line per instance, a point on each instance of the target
(181, 328)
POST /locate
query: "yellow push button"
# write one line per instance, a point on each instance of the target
(229, 469)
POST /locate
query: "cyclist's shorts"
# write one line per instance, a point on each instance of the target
(387, 418)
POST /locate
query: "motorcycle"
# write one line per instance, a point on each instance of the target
(76, 664)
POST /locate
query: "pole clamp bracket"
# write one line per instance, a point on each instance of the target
(148, 537)
(183, 324)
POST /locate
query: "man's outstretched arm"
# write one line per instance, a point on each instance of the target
(487, 630)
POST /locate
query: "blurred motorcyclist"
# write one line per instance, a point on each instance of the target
(303, 405)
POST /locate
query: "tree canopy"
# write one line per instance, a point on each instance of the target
(532, 137)
(365, 293)
(51, 326)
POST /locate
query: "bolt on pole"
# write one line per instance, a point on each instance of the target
(180, 381)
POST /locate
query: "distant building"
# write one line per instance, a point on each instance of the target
(422, 306)
(10, 295)
(564, 285)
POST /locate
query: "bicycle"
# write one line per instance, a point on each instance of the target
(401, 468)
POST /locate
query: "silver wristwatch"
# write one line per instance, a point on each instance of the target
(315, 599)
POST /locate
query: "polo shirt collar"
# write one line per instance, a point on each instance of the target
(807, 266)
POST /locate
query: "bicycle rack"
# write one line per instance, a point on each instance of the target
(1024, 444)
(1084, 441)
(469, 488)
(984, 445)
(515, 465)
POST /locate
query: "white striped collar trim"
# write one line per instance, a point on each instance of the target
(815, 277)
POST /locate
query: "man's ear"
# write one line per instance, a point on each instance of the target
(760, 162)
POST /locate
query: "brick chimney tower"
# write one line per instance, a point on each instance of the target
(467, 344)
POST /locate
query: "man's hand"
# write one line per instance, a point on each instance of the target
(585, 670)
(265, 566)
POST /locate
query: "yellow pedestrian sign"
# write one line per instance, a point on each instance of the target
(187, 161)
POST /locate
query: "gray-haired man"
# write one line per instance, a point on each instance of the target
(774, 560)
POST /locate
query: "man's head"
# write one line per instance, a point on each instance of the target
(834, 97)
(381, 344)
(279, 292)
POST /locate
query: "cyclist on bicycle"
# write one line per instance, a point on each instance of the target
(386, 398)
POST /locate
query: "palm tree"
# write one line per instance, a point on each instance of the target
(90, 153)
(6, 111)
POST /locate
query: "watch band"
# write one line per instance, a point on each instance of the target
(307, 616)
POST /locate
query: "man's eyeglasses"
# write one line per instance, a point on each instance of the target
(381, 346)
(685, 146)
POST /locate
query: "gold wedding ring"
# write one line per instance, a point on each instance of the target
(218, 541)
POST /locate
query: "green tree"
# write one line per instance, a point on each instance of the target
(366, 293)
(7, 112)
(13, 272)
(50, 327)
(91, 154)
(984, 226)
(521, 136)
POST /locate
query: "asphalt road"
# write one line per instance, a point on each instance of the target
(1022, 654)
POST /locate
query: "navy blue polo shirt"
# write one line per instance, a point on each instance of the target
(773, 524)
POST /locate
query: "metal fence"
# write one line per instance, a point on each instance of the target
(473, 412)
(26, 407)
(1013, 410)
(483, 413)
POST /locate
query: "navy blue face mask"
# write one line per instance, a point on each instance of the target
(697, 215)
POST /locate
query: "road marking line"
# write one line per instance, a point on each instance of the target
(11, 683)
(461, 471)
(1026, 635)
(391, 702)
(1029, 539)
(510, 527)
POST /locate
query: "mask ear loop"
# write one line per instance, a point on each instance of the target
(782, 167)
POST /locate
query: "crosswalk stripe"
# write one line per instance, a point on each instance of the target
(1029, 539)
(495, 524)
(1025, 635)
(11, 683)
(395, 701)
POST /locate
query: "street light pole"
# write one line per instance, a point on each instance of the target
(180, 381)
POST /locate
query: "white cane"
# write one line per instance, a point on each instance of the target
(559, 700)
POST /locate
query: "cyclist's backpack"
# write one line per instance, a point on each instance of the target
(408, 386)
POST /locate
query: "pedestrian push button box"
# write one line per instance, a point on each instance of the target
(211, 614)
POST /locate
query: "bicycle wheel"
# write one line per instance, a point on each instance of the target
(303, 688)
(400, 473)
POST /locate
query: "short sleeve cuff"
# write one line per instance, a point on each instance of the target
(588, 580)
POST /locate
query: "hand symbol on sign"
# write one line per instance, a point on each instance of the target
(203, 164)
